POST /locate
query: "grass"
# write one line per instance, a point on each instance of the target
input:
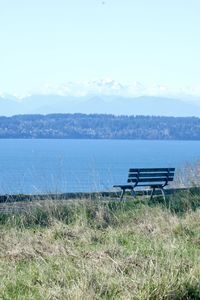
(102, 249)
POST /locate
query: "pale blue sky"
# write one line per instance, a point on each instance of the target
(55, 41)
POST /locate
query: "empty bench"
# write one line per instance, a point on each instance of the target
(155, 178)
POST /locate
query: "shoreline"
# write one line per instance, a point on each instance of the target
(9, 198)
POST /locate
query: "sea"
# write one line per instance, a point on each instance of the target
(37, 166)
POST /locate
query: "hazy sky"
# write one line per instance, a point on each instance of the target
(55, 41)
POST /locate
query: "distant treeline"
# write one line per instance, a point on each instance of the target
(100, 126)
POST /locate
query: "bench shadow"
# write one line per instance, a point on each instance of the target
(179, 202)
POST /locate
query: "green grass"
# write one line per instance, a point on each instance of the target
(102, 249)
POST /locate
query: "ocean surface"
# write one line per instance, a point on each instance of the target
(42, 166)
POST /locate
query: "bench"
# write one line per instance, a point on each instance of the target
(155, 178)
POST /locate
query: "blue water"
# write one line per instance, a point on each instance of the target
(41, 166)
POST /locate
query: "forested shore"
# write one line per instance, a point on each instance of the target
(100, 126)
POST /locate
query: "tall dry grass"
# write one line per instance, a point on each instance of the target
(102, 249)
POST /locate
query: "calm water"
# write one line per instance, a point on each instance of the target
(38, 166)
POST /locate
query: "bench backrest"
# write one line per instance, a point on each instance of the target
(151, 176)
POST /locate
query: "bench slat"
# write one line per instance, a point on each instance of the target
(150, 184)
(161, 179)
(152, 170)
(133, 175)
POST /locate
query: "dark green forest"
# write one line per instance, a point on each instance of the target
(100, 126)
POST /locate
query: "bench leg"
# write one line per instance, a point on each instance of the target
(152, 193)
(163, 193)
(122, 194)
(133, 193)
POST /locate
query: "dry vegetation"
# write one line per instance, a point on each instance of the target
(102, 249)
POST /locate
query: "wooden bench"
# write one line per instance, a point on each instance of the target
(155, 178)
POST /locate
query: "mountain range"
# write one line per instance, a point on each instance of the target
(93, 104)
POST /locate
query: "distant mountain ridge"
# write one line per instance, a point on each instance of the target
(104, 104)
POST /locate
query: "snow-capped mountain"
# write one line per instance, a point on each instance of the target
(109, 86)
(105, 96)
(118, 105)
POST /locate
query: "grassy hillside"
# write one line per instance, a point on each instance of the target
(102, 249)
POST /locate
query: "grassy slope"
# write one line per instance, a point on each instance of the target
(102, 250)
